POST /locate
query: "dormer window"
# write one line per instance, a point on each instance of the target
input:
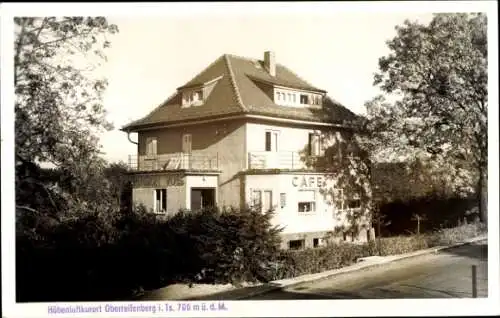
(304, 99)
(192, 98)
(289, 97)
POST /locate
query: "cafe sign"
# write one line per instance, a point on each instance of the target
(154, 181)
(308, 181)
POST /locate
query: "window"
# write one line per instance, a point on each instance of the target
(160, 201)
(278, 96)
(294, 98)
(186, 143)
(306, 201)
(267, 202)
(271, 141)
(353, 204)
(306, 207)
(289, 97)
(197, 96)
(262, 199)
(315, 242)
(304, 99)
(151, 146)
(257, 198)
(192, 98)
(296, 244)
(282, 200)
(314, 144)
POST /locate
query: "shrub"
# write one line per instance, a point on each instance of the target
(226, 246)
(457, 234)
(402, 244)
(97, 257)
(315, 260)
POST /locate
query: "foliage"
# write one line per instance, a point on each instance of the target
(58, 112)
(315, 260)
(436, 212)
(98, 257)
(436, 76)
(401, 244)
(452, 235)
(346, 164)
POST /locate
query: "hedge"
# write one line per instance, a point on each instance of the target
(93, 258)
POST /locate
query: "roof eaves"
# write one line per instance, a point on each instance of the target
(138, 121)
(233, 83)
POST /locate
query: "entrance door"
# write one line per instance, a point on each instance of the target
(202, 198)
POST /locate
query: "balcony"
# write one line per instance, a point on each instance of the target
(175, 161)
(275, 160)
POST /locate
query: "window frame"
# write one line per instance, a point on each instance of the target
(261, 196)
(148, 149)
(276, 134)
(306, 97)
(190, 143)
(319, 142)
(162, 200)
(313, 204)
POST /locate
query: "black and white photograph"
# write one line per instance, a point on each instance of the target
(249, 159)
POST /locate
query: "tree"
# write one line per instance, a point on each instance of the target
(58, 104)
(437, 74)
(346, 163)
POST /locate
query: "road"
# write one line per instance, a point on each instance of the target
(447, 274)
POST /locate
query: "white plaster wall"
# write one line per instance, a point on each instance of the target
(290, 138)
(321, 220)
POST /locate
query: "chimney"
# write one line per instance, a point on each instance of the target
(270, 62)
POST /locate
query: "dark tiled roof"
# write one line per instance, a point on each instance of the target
(239, 91)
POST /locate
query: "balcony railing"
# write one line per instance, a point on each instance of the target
(175, 161)
(275, 160)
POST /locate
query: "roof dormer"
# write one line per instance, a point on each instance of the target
(197, 94)
(285, 96)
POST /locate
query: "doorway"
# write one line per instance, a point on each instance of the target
(202, 198)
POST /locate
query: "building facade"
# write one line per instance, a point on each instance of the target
(241, 133)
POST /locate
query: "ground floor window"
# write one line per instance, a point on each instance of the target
(306, 201)
(315, 242)
(262, 199)
(296, 244)
(160, 201)
(344, 202)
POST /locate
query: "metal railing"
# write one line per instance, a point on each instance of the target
(275, 160)
(175, 161)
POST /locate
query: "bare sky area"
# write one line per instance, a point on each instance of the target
(152, 56)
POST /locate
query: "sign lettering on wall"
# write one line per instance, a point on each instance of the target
(308, 181)
(155, 181)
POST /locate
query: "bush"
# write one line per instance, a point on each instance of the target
(402, 244)
(98, 257)
(315, 260)
(457, 234)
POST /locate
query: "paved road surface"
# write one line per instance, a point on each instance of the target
(442, 275)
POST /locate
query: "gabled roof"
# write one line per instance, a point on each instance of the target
(239, 90)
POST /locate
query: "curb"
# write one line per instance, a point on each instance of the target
(280, 284)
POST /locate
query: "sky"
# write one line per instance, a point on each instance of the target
(151, 56)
